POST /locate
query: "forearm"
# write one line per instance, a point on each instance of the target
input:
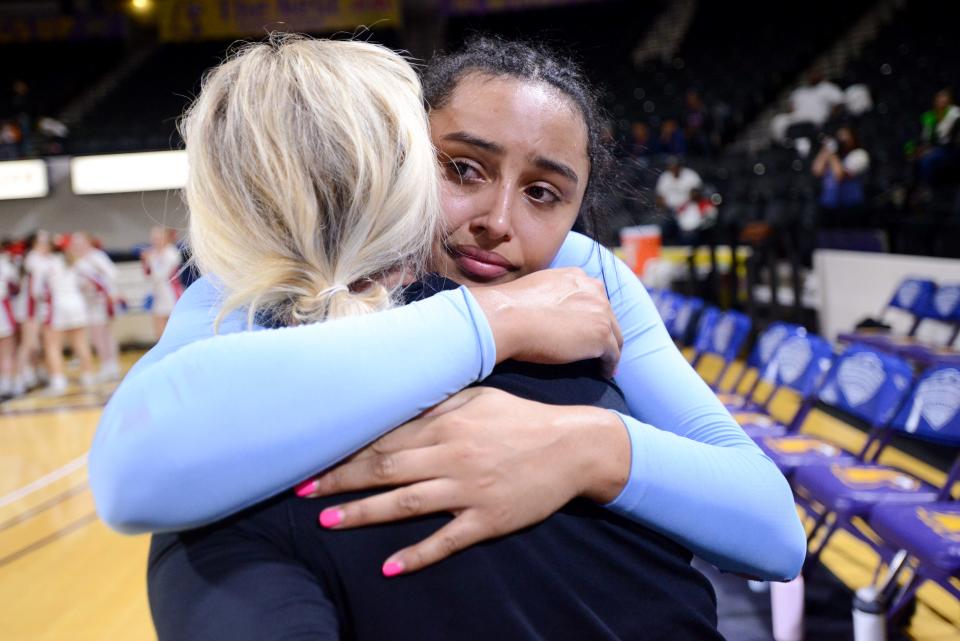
(729, 505)
(694, 474)
(219, 424)
(836, 167)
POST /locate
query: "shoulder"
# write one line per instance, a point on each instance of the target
(194, 317)
(581, 251)
(600, 263)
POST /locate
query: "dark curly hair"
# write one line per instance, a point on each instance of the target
(536, 62)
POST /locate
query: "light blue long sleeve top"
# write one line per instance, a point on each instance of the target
(210, 422)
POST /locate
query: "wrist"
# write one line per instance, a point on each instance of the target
(499, 310)
(602, 452)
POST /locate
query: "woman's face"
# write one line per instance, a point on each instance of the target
(513, 155)
(845, 137)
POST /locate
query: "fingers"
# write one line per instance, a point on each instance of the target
(458, 534)
(427, 497)
(612, 357)
(381, 470)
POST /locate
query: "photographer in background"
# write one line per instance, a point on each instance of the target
(842, 165)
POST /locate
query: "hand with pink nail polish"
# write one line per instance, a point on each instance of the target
(499, 463)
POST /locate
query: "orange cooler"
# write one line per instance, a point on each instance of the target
(640, 244)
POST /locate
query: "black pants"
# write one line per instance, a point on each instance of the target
(272, 573)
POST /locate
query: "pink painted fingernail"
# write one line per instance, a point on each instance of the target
(331, 517)
(392, 568)
(307, 487)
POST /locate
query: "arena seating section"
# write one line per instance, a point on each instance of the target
(55, 72)
(738, 56)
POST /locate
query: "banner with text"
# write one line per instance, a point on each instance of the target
(17, 29)
(466, 7)
(179, 20)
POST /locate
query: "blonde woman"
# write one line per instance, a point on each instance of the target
(544, 317)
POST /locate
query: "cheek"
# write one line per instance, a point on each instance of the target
(541, 238)
(457, 207)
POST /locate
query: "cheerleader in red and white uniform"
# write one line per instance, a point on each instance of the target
(66, 319)
(98, 282)
(30, 308)
(162, 262)
(9, 284)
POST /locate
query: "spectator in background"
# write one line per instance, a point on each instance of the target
(30, 310)
(66, 318)
(939, 152)
(671, 140)
(696, 124)
(9, 277)
(841, 165)
(673, 191)
(640, 143)
(9, 140)
(161, 262)
(810, 107)
(25, 112)
(675, 185)
(697, 213)
(98, 283)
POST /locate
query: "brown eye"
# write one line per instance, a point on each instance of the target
(542, 194)
(463, 171)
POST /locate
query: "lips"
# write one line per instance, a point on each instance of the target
(480, 264)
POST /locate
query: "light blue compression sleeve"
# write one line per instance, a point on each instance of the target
(695, 475)
(200, 429)
(204, 426)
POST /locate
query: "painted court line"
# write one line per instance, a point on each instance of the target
(44, 481)
(50, 538)
(43, 507)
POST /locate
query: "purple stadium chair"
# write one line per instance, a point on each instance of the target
(930, 534)
(944, 307)
(913, 295)
(767, 343)
(723, 337)
(864, 383)
(798, 363)
(687, 312)
(704, 338)
(930, 412)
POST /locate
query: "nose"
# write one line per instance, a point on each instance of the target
(495, 218)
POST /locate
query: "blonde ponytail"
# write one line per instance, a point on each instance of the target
(312, 178)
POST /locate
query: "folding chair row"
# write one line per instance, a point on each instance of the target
(918, 522)
(924, 300)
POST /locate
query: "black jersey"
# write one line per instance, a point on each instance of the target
(584, 573)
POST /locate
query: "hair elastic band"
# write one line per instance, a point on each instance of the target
(330, 291)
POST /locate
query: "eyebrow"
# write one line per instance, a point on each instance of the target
(475, 141)
(557, 168)
(540, 161)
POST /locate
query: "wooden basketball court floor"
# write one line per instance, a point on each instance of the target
(65, 575)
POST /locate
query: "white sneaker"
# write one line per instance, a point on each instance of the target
(57, 386)
(109, 372)
(88, 380)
